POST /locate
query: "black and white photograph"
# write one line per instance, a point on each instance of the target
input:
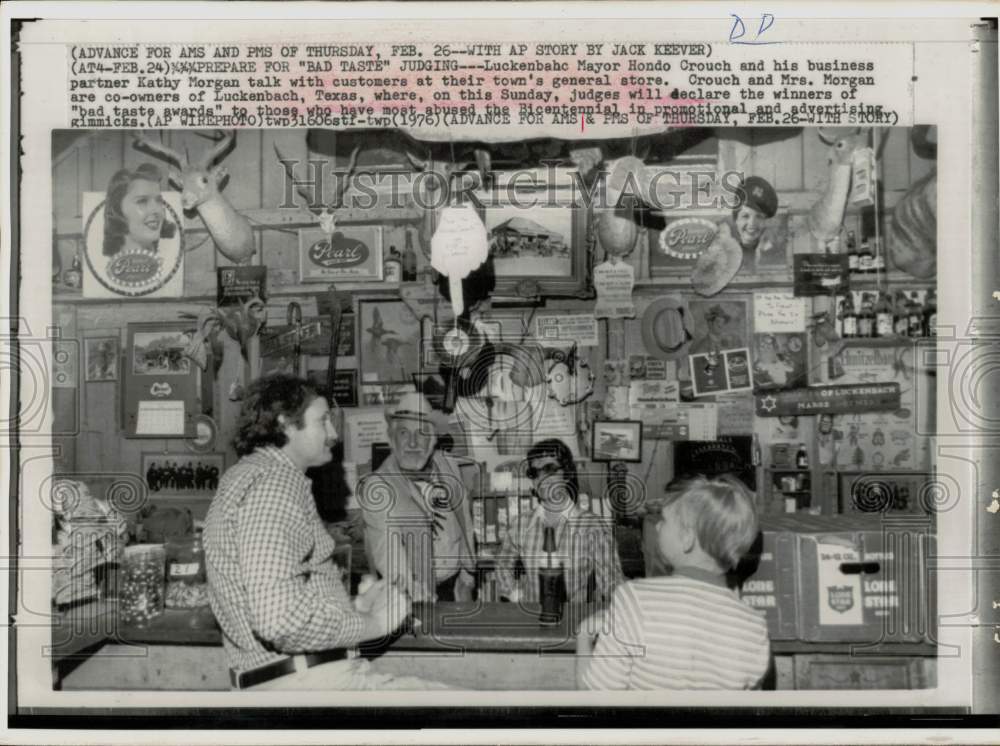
(618, 440)
(733, 499)
(182, 473)
(102, 358)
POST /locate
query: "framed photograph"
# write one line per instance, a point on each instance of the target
(388, 342)
(161, 385)
(101, 358)
(182, 473)
(617, 440)
(779, 361)
(345, 385)
(352, 253)
(538, 248)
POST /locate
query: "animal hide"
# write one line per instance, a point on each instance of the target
(912, 239)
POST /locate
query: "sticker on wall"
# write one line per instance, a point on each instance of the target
(720, 373)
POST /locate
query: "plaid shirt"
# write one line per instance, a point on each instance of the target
(584, 544)
(272, 584)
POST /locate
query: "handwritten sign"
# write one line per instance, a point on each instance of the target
(779, 312)
(578, 328)
(613, 283)
(844, 399)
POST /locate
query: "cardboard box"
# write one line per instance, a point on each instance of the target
(842, 578)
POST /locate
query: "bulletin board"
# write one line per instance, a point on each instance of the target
(161, 385)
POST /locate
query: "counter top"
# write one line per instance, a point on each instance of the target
(442, 627)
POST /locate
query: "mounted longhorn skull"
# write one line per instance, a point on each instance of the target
(199, 182)
(827, 216)
(325, 213)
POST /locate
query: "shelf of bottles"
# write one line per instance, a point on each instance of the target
(878, 312)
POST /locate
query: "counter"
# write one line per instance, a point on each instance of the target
(471, 645)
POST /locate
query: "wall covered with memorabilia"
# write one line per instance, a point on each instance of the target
(753, 303)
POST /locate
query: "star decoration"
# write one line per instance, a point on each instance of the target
(768, 403)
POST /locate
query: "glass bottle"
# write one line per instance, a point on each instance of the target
(930, 314)
(852, 252)
(883, 316)
(802, 457)
(409, 260)
(866, 319)
(393, 266)
(849, 319)
(878, 263)
(901, 321)
(866, 260)
(916, 319)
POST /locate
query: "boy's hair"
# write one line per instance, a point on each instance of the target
(722, 513)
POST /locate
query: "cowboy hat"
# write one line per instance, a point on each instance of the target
(414, 406)
(667, 329)
(718, 264)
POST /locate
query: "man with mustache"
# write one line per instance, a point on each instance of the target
(287, 620)
(418, 522)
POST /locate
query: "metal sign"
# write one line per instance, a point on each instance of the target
(843, 399)
(278, 343)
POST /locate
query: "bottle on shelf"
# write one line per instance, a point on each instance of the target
(409, 260)
(930, 314)
(900, 317)
(852, 252)
(866, 319)
(916, 319)
(878, 262)
(393, 266)
(883, 316)
(849, 319)
(73, 277)
(802, 457)
(866, 260)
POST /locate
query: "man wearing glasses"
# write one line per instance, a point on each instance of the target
(584, 543)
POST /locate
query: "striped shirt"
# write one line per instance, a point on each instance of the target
(678, 632)
(272, 585)
(585, 545)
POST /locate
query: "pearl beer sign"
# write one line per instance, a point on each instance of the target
(676, 248)
(351, 253)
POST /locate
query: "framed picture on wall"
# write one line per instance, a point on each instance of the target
(538, 248)
(101, 358)
(388, 342)
(183, 473)
(617, 440)
(352, 253)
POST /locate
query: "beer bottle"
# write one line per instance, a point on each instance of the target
(802, 457)
(849, 319)
(883, 316)
(866, 260)
(852, 252)
(930, 314)
(916, 319)
(879, 253)
(866, 319)
(901, 322)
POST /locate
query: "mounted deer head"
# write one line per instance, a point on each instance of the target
(325, 213)
(827, 216)
(199, 182)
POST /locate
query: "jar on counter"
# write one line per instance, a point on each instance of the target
(187, 586)
(140, 595)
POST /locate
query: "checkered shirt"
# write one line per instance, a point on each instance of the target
(272, 584)
(584, 544)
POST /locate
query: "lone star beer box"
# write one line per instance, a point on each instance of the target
(768, 580)
(842, 578)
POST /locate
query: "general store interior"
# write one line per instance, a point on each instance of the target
(614, 375)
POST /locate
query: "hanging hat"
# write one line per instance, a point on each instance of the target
(718, 264)
(757, 193)
(667, 329)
